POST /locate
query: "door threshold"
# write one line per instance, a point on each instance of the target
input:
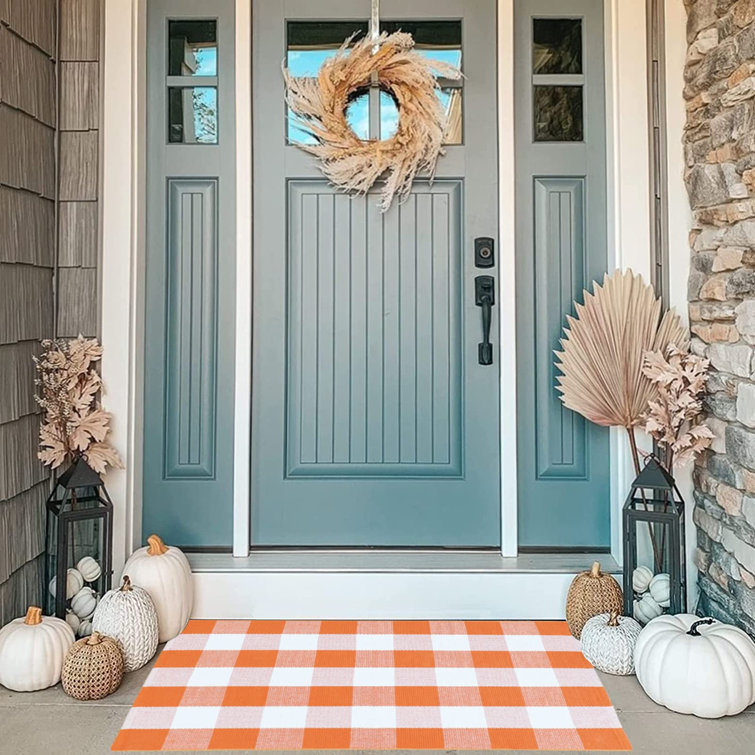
(400, 561)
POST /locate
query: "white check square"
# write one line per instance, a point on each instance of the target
(374, 677)
(463, 717)
(298, 641)
(550, 717)
(536, 677)
(225, 642)
(450, 642)
(195, 717)
(373, 717)
(524, 642)
(284, 717)
(285, 676)
(374, 642)
(455, 677)
(206, 676)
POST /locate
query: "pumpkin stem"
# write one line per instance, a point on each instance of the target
(595, 571)
(94, 639)
(693, 629)
(126, 587)
(613, 619)
(33, 616)
(156, 546)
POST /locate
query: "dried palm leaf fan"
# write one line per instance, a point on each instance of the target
(604, 348)
(389, 62)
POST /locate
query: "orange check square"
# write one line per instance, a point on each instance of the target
(245, 696)
(492, 659)
(414, 658)
(160, 697)
(420, 739)
(266, 626)
(338, 627)
(552, 627)
(411, 627)
(568, 659)
(233, 739)
(418, 696)
(256, 658)
(335, 658)
(178, 658)
(331, 696)
(501, 697)
(484, 627)
(326, 739)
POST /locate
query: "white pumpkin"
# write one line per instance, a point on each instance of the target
(89, 569)
(702, 667)
(608, 642)
(85, 628)
(74, 583)
(641, 577)
(646, 609)
(84, 603)
(660, 589)
(72, 620)
(32, 651)
(165, 574)
(128, 615)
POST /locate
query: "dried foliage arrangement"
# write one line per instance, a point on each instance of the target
(354, 164)
(74, 423)
(673, 418)
(604, 348)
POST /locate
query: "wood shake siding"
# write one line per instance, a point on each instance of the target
(28, 255)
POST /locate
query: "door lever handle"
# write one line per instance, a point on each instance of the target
(484, 291)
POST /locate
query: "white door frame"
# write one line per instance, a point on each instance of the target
(123, 229)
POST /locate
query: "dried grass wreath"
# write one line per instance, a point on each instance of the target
(354, 164)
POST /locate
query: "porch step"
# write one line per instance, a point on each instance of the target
(386, 585)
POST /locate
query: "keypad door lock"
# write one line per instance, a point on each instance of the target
(484, 252)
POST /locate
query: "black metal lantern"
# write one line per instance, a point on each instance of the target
(79, 524)
(654, 535)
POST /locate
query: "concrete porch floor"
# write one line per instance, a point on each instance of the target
(34, 723)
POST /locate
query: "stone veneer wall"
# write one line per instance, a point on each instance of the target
(719, 143)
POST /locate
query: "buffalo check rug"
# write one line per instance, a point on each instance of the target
(473, 685)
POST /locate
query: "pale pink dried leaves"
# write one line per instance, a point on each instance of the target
(69, 389)
(673, 417)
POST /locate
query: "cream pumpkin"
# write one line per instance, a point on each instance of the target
(89, 569)
(74, 583)
(32, 651)
(641, 578)
(660, 589)
(84, 603)
(697, 666)
(646, 609)
(164, 572)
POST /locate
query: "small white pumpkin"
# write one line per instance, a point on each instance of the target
(697, 666)
(660, 589)
(608, 642)
(84, 603)
(646, 609)
(164, 572)
(74, 583)
(89, 569)
(128, 615)
(32, 651)
(72, 620)
(641, 577)
(85, 628)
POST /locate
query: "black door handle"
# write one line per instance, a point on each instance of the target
(484, 291)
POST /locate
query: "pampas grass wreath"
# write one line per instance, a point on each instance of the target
(354, 164)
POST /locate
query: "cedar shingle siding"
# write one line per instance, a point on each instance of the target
(27, 249)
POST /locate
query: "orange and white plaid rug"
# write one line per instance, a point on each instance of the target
(462, 685)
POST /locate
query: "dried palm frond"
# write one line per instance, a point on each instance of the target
(604, 347)
(355, 164)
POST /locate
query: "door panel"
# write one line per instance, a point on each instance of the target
(373, 423)
(190, 261)
(563, 461)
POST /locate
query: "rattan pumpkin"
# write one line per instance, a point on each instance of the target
(591, 593)
(127, 614)
(92, 668)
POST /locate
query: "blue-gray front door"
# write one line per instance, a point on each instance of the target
(373, 423)
(563, 461)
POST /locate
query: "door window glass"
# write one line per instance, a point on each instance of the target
(192, 82)
(558, 80)
(310, 43)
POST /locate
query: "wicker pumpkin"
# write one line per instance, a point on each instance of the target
(591, 593)
(608, 642)
(92, 668)
(128, 615)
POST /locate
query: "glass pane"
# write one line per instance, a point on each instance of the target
(557, 45)
(193, 115)
(358, 114)
(192, 48)
(438, 40)
(558, 114)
